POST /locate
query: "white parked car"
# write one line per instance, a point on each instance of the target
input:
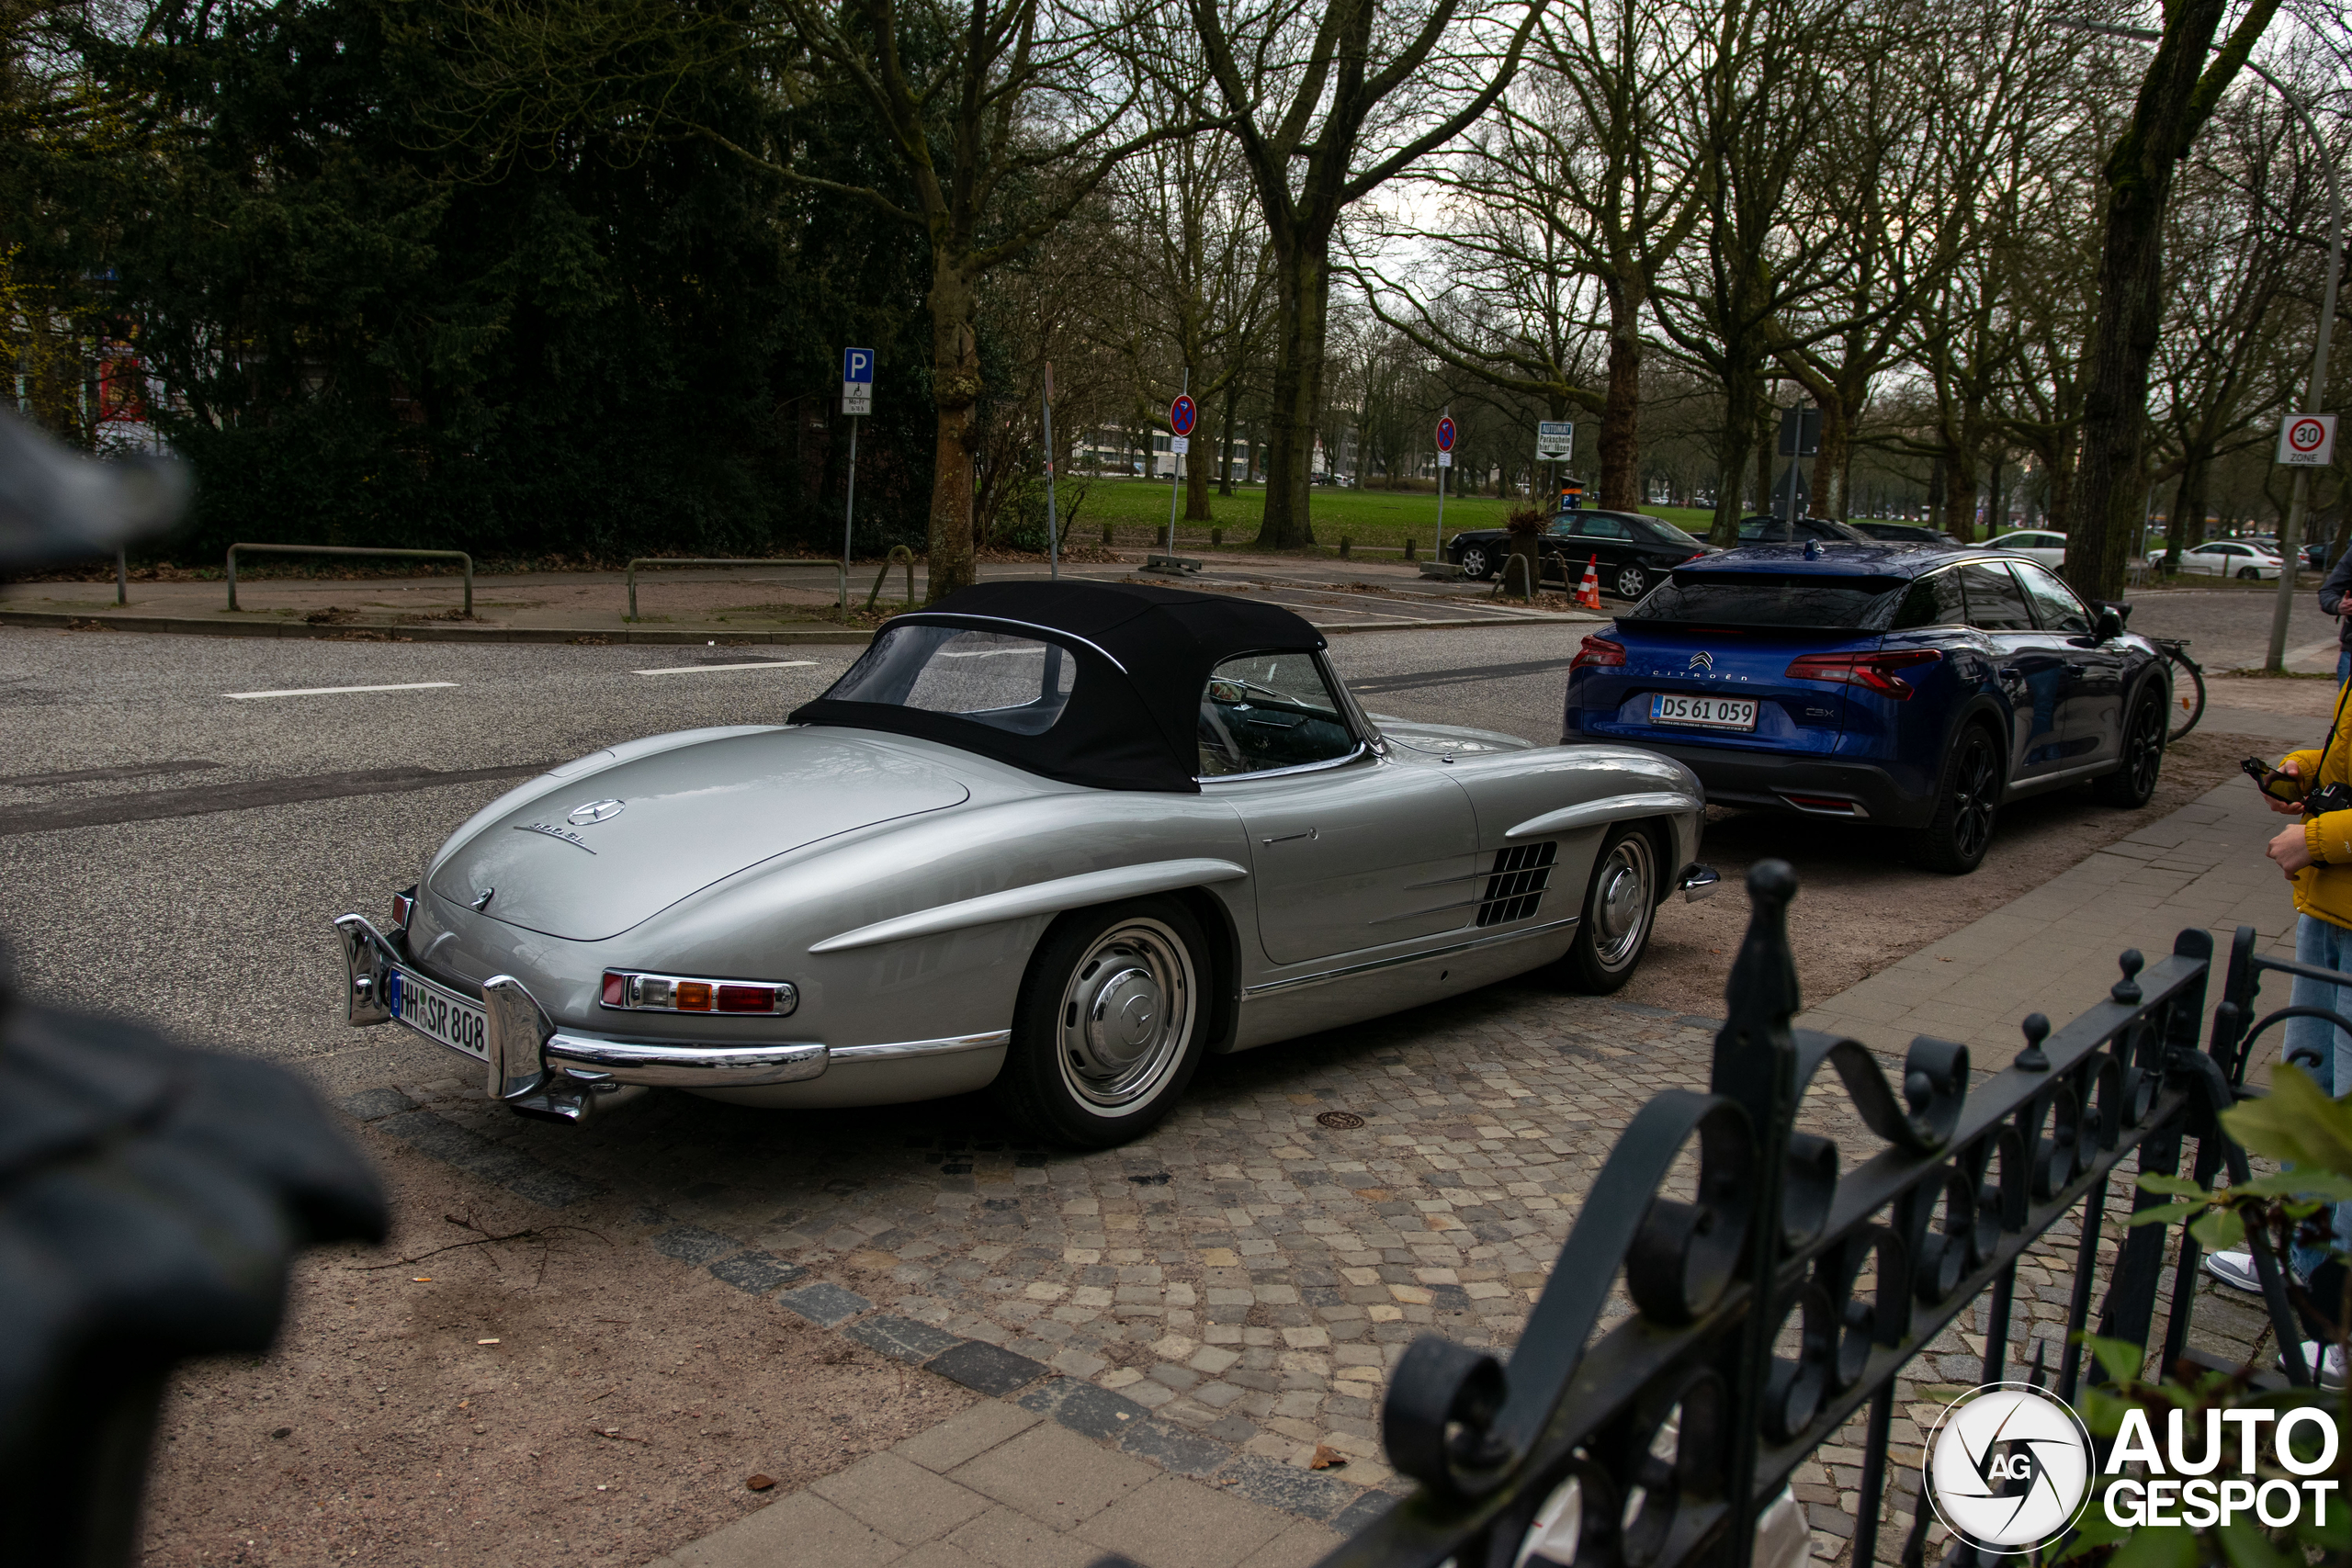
(2048, 548)
(2231, 558)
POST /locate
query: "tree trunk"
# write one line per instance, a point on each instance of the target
(1302, 278)
(1959, 493)
(1621, 412)
(1225, 439)
(1742, 395)
(1197, 479)
(1996, 507)
(2139, 176)
(955, 387)
(1834, 458)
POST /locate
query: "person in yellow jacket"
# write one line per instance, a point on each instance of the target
(2315, 854)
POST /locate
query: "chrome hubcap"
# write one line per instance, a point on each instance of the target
(1622, 902)
(1127, 1014)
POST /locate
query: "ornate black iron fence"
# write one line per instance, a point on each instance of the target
(1785, 1288)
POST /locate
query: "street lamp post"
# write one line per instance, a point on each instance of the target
(2290, 536)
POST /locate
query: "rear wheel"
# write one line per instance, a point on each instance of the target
(2131, 784)
(1477, 561)
(1110, 1025)
(1956, 838)
(1620, 907)
(1631, 580)
(2249, 574)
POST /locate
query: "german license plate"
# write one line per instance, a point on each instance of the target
(439, 1013)
(1702, 713)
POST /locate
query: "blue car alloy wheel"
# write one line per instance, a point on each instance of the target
(1899, 685)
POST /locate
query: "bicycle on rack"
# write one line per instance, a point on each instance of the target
(2188, 706)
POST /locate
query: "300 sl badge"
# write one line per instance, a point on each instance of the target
(553, 831)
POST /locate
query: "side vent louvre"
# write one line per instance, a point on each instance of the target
(1515, 888)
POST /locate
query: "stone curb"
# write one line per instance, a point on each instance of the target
(1109, 1418)
(349, 631)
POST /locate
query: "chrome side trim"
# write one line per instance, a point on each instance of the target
(1361, 752)
(903, 1048)
(1608, 809)
(957, 617)
(1038, 898)
(1350, 971)
(689, 1066)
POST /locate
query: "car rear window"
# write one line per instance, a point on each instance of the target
(1772, 599)
(1012, 682)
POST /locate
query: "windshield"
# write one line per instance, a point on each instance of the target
(1772, 599)
(1016, 683)
(1667, 532)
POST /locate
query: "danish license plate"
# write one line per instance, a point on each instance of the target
(1703, 713)
(439, 1014)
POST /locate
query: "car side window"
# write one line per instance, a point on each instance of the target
(2054, 604)
(1764, 531)
(1932, 601)
(1263, 711)
(1995, 604)
(1601, 528)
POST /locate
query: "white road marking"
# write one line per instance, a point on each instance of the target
(714, 669)
(334, 691)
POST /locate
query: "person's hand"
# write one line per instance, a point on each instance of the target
(2290, 851)
(2293, 770)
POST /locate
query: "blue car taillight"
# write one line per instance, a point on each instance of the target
(1872, 671)
(1598, 652)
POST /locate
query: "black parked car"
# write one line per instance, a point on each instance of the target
(1632, 552)
(1781, 531)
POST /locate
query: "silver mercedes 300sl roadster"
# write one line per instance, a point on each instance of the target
(1062, 839)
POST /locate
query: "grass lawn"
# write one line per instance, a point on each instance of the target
(1369, 519)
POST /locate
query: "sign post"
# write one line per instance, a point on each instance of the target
(1800, 437)
(1445, 433)
(1053, 533)
(857, 401)
(1181, 417)
(1556, 443)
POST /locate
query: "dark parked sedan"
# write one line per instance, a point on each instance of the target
(1631, 552)
(1913, 686)
(1903, 533)
(1782, 531)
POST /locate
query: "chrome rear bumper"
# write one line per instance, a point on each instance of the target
(1697, 882)
(540, 1071)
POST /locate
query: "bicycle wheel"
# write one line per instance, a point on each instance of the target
(2188, 706)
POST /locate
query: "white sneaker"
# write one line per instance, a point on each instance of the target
(2331, 1365)
(2235, 1269)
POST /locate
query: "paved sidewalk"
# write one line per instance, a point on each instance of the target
(2052, 950)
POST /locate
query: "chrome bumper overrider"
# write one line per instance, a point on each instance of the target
(540, 1071)
(1697, 882)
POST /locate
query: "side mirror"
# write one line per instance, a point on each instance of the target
(2108, 626)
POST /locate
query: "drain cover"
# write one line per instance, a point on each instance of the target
(1340, 1121)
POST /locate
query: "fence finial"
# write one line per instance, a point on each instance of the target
(1762, 990)
(2127, 989)
(2032, 1058)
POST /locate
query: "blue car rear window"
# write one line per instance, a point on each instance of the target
(1772, 599)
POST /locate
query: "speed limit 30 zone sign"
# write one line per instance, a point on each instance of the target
(2307, 439)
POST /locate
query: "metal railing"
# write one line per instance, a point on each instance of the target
(347, 550)
(732, 560)
(1680, 1426)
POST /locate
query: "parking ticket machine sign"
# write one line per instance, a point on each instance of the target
(857, 381)
(2307, 440)
(1556, 441)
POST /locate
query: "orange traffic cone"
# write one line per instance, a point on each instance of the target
(1588, 591)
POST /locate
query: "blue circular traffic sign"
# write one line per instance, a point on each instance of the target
(1181, 415)
(1445, 433)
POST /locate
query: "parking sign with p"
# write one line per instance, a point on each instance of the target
(857, 381)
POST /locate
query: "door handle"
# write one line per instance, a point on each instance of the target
(1288, 837)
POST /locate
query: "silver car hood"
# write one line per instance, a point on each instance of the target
(688, 818)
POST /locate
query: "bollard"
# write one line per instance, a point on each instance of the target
(1106, 534)
(1409, 547)
(1344, 543)
(1216, 538)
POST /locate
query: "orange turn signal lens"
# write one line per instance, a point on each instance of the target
(692, 996)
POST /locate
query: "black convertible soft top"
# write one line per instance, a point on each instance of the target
(1143, 657)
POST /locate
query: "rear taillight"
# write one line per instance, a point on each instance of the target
(1875, 672)
(632, 992)
(403, 906)
(1598, 652)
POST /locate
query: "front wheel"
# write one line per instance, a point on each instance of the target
(1957, 836)
(1620, 906)
(1111, 1023)
(1477, 561)
(2134, 782)
(1631, 580)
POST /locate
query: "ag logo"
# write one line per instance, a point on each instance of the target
(1704, 660)
(2008, 1467)
(595, 812)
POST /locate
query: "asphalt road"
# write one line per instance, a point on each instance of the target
(174, 853)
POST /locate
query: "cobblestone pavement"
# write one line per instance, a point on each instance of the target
(1247, 1275)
